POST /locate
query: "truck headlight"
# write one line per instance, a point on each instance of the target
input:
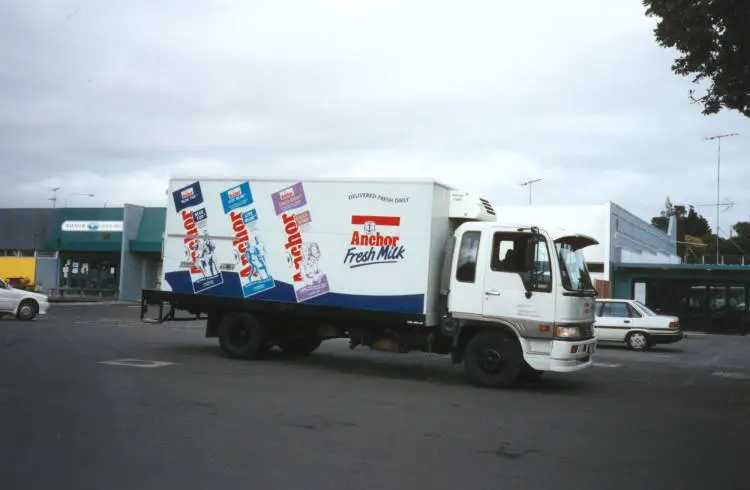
(567, 332)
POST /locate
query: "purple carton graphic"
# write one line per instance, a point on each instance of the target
(290, 198)
(303, 256)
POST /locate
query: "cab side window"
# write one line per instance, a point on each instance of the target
(521, 254)
(466, 269)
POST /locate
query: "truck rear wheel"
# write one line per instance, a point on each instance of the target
(241, 336)
(493, 359)
(300, 347)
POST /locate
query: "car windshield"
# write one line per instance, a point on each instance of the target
(646, 309)
(575, 275)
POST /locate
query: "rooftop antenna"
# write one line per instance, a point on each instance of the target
(529, 183)
(54, 196)
(718, 183)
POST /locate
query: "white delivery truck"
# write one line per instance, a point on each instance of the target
(398, 265)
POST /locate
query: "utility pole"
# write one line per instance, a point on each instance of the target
(54, 196)
(528, 183)
(718, 183)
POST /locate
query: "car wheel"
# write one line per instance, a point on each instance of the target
(27, 310)
(637, 341)
(1, 315)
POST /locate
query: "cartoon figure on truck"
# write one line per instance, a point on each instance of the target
(401, 265)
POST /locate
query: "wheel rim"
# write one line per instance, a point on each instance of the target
(26, 310)
(239, 336)
(638, 340)
(490, 360)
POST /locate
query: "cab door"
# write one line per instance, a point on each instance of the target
(518, 279)
(466, 285)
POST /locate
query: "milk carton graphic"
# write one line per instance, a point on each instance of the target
(303, 256)
(199, 249)
(249, 249)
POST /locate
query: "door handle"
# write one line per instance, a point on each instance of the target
(492, 292)
(627, 321)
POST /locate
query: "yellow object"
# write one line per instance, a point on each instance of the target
(18, 267)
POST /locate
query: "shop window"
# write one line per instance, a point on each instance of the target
(718, 297)
(737, 298)
(26, 253)
(46, 254)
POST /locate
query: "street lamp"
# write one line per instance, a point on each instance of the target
(76, 194)
(529, 183)
(718, 184)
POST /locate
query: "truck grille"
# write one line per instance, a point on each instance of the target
(587, 331)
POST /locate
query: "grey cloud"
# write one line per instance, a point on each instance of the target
(123, 87)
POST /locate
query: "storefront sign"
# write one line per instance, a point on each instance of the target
(92, 226)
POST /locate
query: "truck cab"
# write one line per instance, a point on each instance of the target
(516, 282)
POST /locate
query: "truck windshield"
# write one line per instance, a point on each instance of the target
(575, 275)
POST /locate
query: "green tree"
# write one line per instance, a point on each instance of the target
(713, 41)
(696, 225)
(693, 230)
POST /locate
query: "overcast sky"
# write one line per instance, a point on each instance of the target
(112, 97)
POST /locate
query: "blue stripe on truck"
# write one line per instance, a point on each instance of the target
(180, 282)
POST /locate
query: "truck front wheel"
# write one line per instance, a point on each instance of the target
(493, 359)
(241, 336)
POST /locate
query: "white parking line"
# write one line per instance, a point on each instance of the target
(728, 374)
(606, 365)
(140, 363)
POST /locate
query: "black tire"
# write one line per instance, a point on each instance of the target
(493, 359)
(1, 315)
(241, 336)
(300, 347)
(27, 310)
(638, 341)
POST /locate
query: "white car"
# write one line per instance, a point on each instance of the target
(632, 322)
(24, 305)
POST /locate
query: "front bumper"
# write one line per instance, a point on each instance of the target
(43, 307)
(564, 356)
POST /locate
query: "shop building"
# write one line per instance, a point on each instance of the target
(709, 298)
(83, 252)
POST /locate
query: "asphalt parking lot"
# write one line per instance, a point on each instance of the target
(677, 417)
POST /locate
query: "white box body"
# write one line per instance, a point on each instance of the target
(362, 244)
